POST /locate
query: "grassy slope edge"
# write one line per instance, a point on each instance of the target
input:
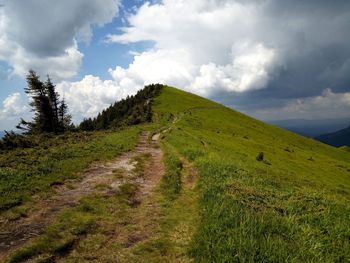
(292, 206)
(29, 171)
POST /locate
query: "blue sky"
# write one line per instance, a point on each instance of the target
(99, 56)
(270, 59)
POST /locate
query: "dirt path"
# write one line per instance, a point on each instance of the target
(15, 233)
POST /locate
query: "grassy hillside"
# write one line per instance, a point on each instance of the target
(235, 190)
(28, 171)
(289, 204)
(345, 148)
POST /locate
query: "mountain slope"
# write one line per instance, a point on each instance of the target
(339, 138)
(234, 189)
(289, 204)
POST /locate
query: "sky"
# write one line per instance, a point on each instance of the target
(270, 59)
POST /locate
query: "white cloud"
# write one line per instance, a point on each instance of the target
(201, 46)
(12, 106)
(43, 35)
(327, 105)
(232, 45)
(208, 47)
(163, 66)
(248, 71)
(64, 66)
(87, 97)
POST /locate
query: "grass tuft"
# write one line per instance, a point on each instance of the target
(171, 182)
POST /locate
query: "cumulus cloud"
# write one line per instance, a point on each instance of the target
(159, 66)
(253, 55)
(196, 45)
(43, 35)
(249, 70)
(12, 106)
(87, 97)
(90, 95)
(240, 46)
(326, 105)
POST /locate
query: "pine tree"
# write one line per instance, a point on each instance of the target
(87, 125)
(54, 102)
(42, 121)
(64, 119)
(50, 115)
(129, 111)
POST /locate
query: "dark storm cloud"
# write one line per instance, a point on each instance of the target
(43, 34)
(314, 46)
(312, 39)
(48, 28)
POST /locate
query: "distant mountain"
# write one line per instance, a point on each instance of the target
(339, 138)
(2, 133)
(313, 128)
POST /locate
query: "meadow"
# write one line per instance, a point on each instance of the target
(25, 172)
(234, 190)
(112, 228)
(292, 205)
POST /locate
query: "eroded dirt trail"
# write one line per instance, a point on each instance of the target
(15, 233)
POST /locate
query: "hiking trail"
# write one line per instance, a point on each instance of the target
(42, 213)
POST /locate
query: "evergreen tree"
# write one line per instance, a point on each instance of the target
(132, 110)
(87, 125)
(50, 115)
(42, 121)
(64, 119)
(54, 102)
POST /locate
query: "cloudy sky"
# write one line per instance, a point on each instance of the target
(271, 59)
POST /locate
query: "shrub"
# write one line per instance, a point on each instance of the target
(14, 140)
(260, 157)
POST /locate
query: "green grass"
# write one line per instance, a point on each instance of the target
(60, 237)
(173, 223)
(110, 229)
(171, 181)
(291, 207)
(345, 148)
(84, 228)
(25, 172)
(81, 233)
